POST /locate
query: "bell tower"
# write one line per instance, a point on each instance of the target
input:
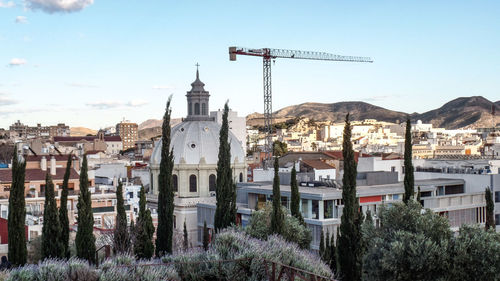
(198, 100)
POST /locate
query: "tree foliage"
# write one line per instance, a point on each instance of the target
(349, 247)
(295, 196)
(206, 236)
(121, 237)
(52, 245)
(490, 209)
(225, 212)
(144, 230)
(277, 215)
(17, 213)
(63, 209)
(279, 148)
(409, 181)
(293, 229)
(165, 229)
(85, 240)
(410, 244)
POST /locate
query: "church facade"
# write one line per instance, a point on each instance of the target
(195, 144)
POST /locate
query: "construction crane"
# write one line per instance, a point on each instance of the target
(269, 54)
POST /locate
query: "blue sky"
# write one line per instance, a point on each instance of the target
(93, 62)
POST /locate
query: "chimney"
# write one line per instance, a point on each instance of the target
(53, 165)
(43, 164)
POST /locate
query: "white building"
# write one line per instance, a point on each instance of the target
(237, 125)
(195, 145)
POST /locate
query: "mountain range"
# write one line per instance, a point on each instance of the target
(463, 112)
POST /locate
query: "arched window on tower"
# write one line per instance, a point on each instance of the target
(196, 109)
(192, 183)
(212, 182)
(175, 183)
(241, 177)
(204, 109)
(190, 109)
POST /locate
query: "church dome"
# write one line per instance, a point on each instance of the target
(197, 142)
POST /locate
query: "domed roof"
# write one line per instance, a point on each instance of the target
(198, 141)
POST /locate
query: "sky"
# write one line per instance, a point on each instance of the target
(93, 63)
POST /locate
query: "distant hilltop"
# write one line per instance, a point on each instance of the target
(464, 112)
(81, 131)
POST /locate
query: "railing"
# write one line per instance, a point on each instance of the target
(274, 271)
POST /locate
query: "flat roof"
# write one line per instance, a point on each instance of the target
(323, 192)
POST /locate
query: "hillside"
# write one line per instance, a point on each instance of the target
(152, 127)
(461, 112)
(81, 131)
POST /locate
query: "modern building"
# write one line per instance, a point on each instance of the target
(20, 131)
(195, 145)
(129, 133)
(109, 144)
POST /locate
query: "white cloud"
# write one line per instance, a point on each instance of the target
(17, 62)
(58, 6)
(81, 85)
(21, 19)
(135, 103)
(109, 104)
(8, 4)
(5, 100)
(162, 87)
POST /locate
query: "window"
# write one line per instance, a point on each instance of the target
(196, 109)
(241, 177)
(190, 109)
(440, 190)
(454, 189)
(393, 169)
(203, 109)
(175, 183)
(212, 182)
(497, 196)
(315, 209)
(328, 209)
(192, 183)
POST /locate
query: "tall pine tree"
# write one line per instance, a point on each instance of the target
(225, 211)
(186, 238)
(165, 230)
(295, 200)
(144, 230)
(409, 181)
(349, 244)
(63, 210)
(490, 209)
(206, 238)
(277, 217)
(85, 240)
(52, 246)
(17, 213)
(121, 237)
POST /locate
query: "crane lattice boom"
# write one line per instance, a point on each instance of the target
(268, 54)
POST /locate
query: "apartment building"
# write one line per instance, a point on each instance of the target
(129, 133)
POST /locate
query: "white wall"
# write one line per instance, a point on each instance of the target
(324, 174)
(371, 164)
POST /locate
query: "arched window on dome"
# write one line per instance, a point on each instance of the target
(241, 177)
(196, 109)
(175, 183)
(212, 182)
(204, 109)
(192, 183)
(190, 109)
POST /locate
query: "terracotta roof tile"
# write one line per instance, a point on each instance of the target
(37, 174)
(317, 164)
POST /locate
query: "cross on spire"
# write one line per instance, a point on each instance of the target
(197, 74)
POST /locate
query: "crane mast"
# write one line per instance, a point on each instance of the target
(269, 54)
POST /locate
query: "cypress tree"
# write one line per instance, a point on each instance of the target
(165, 230)
(225, 211)
(277, 216)
(349, 245)
(322, 246)
(185, 234)
(205, 236)
(333, 254)
(408, 180)
(17, 214)
(490, 216)
(52, 246)
(418, 196)
(369, 218)
(121, 238)
(326, 255)
(63, 210)
(144, 230)
(85, 240)
(295, 200)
